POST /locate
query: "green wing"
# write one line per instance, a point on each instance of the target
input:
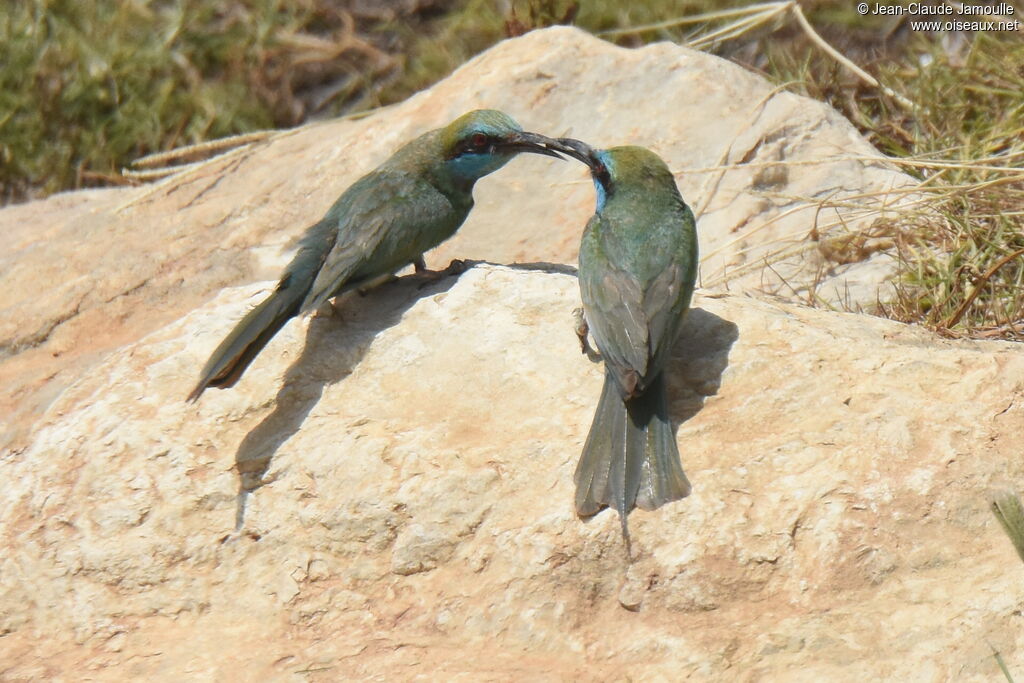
(384, 221)
(636, 281)
(612, 299)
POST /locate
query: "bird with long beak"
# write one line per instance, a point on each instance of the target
(385, 221)
(637, 271)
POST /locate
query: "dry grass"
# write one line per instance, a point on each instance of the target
(962, 266)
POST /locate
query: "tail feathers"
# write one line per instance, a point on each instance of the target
(234, 354)
(250, 335)
(630, 458)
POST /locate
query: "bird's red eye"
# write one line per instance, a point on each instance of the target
(599, 169)
(479, 140)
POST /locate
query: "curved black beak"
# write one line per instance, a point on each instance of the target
(529, 142)
(578, 150)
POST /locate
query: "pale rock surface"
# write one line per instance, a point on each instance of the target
(415, 519)
(82, 274)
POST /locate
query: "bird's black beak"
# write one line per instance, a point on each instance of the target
(529, 142)
(578, 150)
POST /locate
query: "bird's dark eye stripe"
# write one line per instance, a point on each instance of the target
(477, 142)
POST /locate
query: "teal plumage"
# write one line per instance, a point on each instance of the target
(637, 271)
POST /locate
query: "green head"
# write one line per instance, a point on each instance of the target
(484, 140)
(635, 168)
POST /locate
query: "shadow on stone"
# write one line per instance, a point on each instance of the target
(536, 266)
(699, 358)
(545, 267)
(334, 346)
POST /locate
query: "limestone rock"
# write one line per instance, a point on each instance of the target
(388, 491)
(410, 515)
(85, 273)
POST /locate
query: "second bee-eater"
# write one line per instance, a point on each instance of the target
(637, 271)
(385, 221)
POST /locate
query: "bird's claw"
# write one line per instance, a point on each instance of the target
(582, 330)
(580, 327)
(456, 267)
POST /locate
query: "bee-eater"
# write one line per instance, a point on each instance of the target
(385, 221)
(637, 270)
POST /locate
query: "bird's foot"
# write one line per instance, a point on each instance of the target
(456, 267)
(582, 330)
(581, 327)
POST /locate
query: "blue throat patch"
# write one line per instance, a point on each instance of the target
(476, 166)
(602, 196)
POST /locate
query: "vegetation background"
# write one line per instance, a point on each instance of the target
(88, 87)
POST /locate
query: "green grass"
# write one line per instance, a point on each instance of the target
(85, 88)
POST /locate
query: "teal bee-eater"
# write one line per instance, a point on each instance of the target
(385, 221)
(637, 270)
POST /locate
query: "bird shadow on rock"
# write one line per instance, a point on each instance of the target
(335, 343)
(534, 266)
(699, 358)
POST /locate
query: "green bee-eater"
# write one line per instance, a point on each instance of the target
(637, 270)
(385, 221)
